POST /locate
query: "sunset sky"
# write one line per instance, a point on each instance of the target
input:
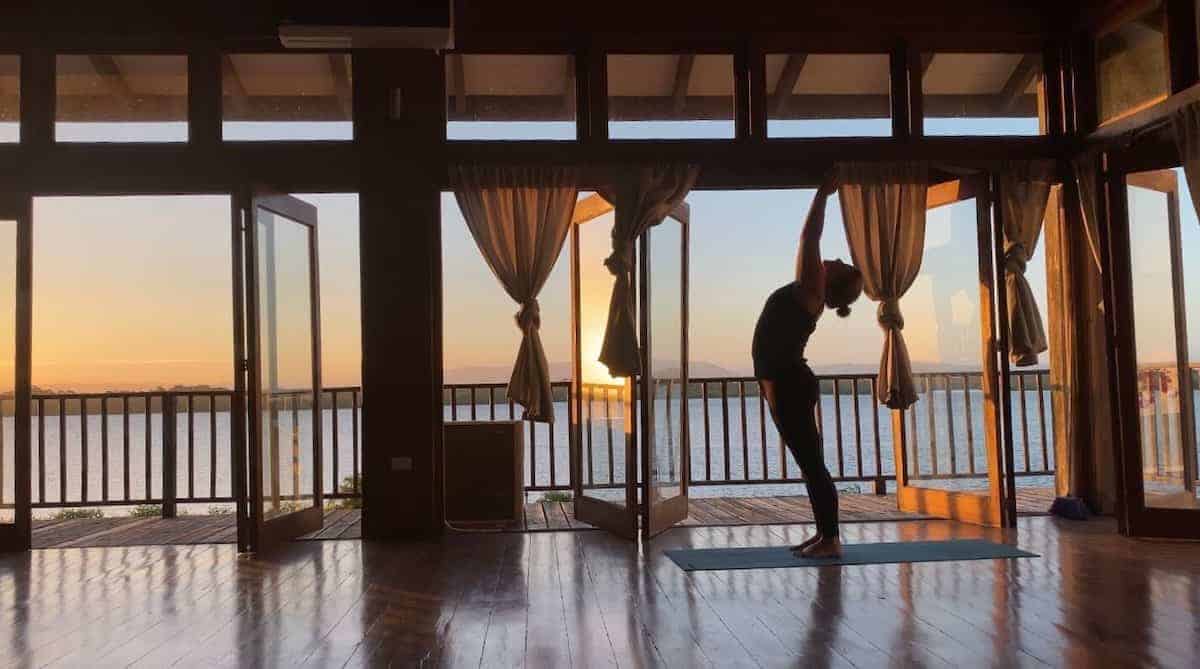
(134, 292)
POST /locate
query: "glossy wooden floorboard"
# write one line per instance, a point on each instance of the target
(538, 516)
(587, 599)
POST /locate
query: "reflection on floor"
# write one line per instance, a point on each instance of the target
(539, 516)
(561, 599)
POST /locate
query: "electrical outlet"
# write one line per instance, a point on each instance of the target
(402, 464)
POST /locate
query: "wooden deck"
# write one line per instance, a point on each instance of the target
(539, 516)
(575, 599)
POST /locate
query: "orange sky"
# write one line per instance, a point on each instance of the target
(135, 292)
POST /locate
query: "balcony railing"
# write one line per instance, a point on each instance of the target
(173, 447)
(734, 443)
(162, 448)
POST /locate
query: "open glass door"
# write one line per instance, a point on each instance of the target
(1156, 378)
(283, 381)
(665, 453)
(603, 414)
(947, 450)
(16, 251)
(607, 420)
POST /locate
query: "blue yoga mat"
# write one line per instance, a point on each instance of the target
(776, 557)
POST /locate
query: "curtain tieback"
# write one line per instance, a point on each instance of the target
(889, 315)
(619, 263)
(1015, 259)
(530, 315)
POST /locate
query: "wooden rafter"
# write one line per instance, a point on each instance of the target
(459, 72)
(1022, 75)
(926, 61)
(568, 85)
(114, 80)
(683, 77)
(239, 99)
(341, 82)
(787, 81)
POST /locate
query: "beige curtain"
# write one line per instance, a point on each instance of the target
(1024, 191)
(642, 198)
(1083, 441)
(883, 207)
(520, 218)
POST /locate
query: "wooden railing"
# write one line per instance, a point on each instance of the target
(173, 447)
(733, 441)
(163, 448)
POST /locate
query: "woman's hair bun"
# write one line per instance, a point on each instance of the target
(843, 310)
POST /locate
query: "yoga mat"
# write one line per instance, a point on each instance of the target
(775, 557)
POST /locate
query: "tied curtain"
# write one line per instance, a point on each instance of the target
(1024, 192)
(520, 218)
(1079, 349)
(883, 208)
(642, 198)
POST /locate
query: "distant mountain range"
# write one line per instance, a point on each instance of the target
(561, 371)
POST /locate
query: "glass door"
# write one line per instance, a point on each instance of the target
(947, 445)
(1156, 379)
(603, 413)
(665, 453)
(283, 380)
(15, 309)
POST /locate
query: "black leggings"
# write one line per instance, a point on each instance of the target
(794, 413)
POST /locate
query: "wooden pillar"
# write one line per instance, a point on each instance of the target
(400, 127)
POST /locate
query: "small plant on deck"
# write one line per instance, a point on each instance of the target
(556, 496)
(146, 511)
(350, 485)
(78, 514)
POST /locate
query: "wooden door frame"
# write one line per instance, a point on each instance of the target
(952, 504)
(622, 521)
(255, 533)
(1135, 518)
(657, 518)
(18, 536)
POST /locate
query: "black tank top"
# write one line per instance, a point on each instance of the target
(781, 334)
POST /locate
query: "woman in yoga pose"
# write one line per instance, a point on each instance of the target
(787, 321)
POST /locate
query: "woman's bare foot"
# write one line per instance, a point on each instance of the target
(801, 547)
(824, 548)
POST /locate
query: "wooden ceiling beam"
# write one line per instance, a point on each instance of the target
(459, 72)
(1028, 69)
(683, 77)
(110, 72)
(787, 81)
(341, 83)
(232, 84)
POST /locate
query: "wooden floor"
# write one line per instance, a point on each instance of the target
(539, 516)
(574, 599)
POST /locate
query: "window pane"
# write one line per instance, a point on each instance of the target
(10, 99)
(1131, 65)
(670, 96)
(982, 93)
(510, 97)
(103, 98)
(828, 95)
(1153, 201)
(286, 97)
